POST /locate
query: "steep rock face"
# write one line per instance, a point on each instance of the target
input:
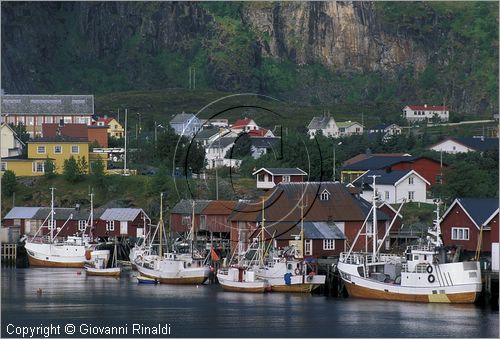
(344, 36)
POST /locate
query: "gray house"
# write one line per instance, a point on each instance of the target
(186, 124)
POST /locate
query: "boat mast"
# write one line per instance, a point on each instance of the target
(262, 235)
(437, 226)
(374, 221)
(160, 225)
(91, 211)
(52, 215)
(192, 237)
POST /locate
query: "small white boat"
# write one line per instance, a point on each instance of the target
(241, 279)
(98, 266)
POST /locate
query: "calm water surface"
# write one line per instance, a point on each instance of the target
(206, 311)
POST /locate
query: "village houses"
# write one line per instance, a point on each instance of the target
(416, 113)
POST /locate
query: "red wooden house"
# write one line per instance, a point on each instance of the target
(462, 221)
(122, 222)
(269, 177)
(331, 214)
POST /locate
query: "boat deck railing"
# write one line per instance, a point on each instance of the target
(419, 268)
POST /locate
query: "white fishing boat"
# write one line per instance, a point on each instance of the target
(242, 276)
(99, 264)
(422, 274)
(49, 251)
(288, 271)
(172, 267)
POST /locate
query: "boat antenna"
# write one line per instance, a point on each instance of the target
(262, 234)
(52, 215)
(436, 231)
(91, 209)
(160, 225)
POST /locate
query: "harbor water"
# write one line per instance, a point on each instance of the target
(37, 298)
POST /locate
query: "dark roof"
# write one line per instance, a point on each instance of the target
(47, 104)
(386, 178)
(264, 142)
(222, 142)
(289, 230)
(380, 127)
(207, 133)
(480, 209)
(219, 207)
(319, 122)
(183, 118)
(378, 162)
(283, 204)
(479, 144)
(281, 171)
(64, 213)
(59, 138)
(186, 206)
(67, 130)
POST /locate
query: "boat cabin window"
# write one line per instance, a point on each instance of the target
(415, 257)
(289, 267)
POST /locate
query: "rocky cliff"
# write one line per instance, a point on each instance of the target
(324, 52)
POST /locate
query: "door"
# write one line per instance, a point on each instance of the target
(140, 232)
(123, 227)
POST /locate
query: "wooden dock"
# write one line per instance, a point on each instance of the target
(9, 252)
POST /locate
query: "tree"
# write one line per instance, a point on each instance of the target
(49, 168)
(9, 183)
(97, 170)
(83, 166)
(71, 171)
(242, 147)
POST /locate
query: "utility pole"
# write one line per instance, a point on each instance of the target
(125, 155)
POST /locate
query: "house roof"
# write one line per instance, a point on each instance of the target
(283, 204)
(264, 142)
(312, 230)
(319, 122)
(219, 207)
(121, 214)
(345, 124)
(479, 210)
(241, 123)
(222, 142)
(385, 178)
(13, 132)
(186, 206)
(60, 138)
(67, 130)
(428, 108)
(182, 118)
(207, 133)
(257, 132)
(47, 104)
(363, 156)
(281, 171)
(19, 212)
(378, 162)
(106, 121)
(62, 213)
(478, 144)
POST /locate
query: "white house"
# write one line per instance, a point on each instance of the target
(325, 124)
(393, 186)
(386, 130)
(419, 113)
(261, 146)
(269, 177)
(186, 124)
(216, 152)
(10, 143)
(348, 128)
(464, 145)
(244, 125)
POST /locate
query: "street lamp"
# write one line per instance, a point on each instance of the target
(334, 149)
(156, 130)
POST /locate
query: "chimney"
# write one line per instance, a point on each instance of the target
(105, 116)
(425, 105)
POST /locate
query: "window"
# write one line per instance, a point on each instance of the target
(387, 195)
(110, 225)
(48, 119)
(40, 149)
(410, 180)
(68, 120)
(308, 247)
(51, 225)
(3, 166)
(30, 121)
(411, 195)
(58, 149)
(203, 221)
(260, 177)
(75, 149)
(186, 220)
(325, 196)
(328, 244)
(459, 233)
(82, 224)
(38, 167)
(286, 178)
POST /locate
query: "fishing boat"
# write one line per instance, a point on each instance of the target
(173, 267)
(242, 276)
(422, 274)
(49, 251)
(99, 265)
(288, 271)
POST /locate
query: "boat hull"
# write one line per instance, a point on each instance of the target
(187, 277)
(357, 291)
(242, 288)
(295, 288)
(34, 262)
(104, 272)
(47, 255)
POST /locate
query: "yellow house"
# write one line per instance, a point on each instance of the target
(115, 129)
(57, 151)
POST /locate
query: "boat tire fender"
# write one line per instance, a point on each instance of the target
(309, 278)
(297, 271)
(431, 278)
(429, 269)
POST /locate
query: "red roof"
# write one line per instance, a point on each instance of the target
(67, 130)
(429, 108)
(241, 123)
(106, 121)
(257, 132)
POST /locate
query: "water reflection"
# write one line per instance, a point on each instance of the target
(206, 311)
